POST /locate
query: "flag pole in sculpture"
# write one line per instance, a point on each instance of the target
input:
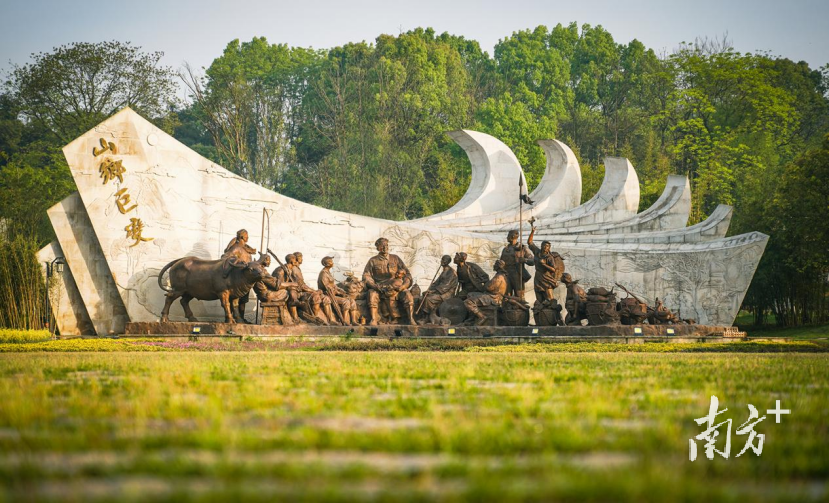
(519, 262)
(522, 198)
(262, 247)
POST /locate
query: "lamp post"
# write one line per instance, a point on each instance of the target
(52, 268)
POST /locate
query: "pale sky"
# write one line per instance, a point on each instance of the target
(196, 31)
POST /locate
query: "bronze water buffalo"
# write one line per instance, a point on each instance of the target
(225, 280)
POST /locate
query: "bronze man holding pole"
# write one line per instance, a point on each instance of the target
(345, 306)
(516, 256)
(442, 288)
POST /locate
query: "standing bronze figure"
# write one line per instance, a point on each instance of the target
(238, 247)
(516, 256)
(385, 267)
(549, 266)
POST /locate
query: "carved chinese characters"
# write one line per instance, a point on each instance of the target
(105, 146)
(134, 229)
(111, 169)
(122, 200)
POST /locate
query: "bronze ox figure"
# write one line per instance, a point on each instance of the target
(225, 280)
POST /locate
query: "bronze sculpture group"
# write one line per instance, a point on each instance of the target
(387, 294)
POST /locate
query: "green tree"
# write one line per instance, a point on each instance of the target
(732, 125)
(248, 101)
(374, 141)
(76, 86)
(514, 123)
(29, 184)
(579, 86)
(532, 78)
(11, 129)
(791, 281)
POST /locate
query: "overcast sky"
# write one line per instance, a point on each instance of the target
(197, 31)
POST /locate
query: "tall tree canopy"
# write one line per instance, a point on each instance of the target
(376, 116)
(76, 86)
(248, 101)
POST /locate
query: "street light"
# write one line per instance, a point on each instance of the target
(55, 266)
(52, 268)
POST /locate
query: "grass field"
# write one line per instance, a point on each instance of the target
(466, 424)
(745, 321)
(807, 332)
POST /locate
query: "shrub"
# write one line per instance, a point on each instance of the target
(8, 335)
(78, 345)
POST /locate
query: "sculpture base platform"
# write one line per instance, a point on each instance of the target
(608, 333)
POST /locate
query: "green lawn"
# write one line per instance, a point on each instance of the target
(745, 321)
(807, 332)
(405, 425)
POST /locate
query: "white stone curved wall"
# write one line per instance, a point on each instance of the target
(670, 211)
(190, 206)
(495, 177)
(558, 191)
(713, 227)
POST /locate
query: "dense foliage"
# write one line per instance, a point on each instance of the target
(361, 128)
(22, 289)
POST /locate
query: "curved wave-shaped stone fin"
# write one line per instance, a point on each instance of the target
(670, 211)
(560, 187)
(495, 175)
(558, 191)
(617, 199)
(717, 223)
(712, 228)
